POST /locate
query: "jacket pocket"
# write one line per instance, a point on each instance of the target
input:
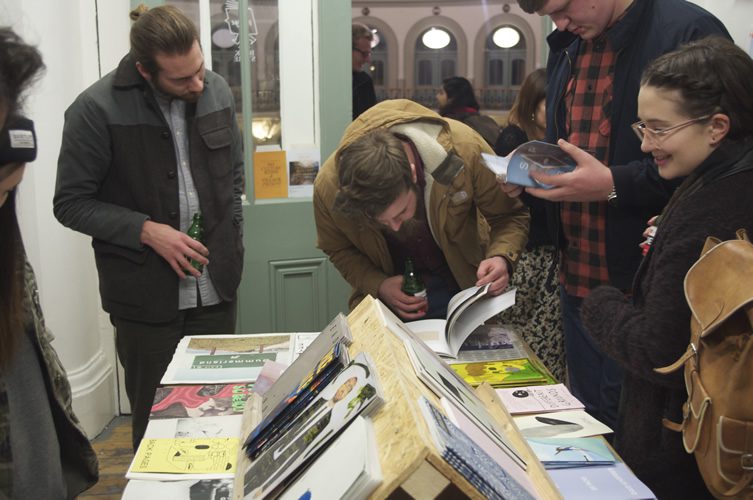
(218, 143)
(120, 279)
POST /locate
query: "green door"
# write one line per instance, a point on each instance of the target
(288, 284)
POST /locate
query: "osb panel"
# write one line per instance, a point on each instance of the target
(402, 436)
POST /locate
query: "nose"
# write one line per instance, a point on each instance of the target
(196, 84)
(560, 21)
(647, 144)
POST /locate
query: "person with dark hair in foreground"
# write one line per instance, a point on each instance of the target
(44, 452)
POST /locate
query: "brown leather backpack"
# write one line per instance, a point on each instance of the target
(717, 424)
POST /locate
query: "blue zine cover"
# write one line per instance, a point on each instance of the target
(533, 156)
(469, 459)
(571, 452)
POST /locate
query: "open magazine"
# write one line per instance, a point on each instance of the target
(532, 156)
(466, 310)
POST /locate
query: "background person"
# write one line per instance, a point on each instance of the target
(405, 182)
(44, 452)
(145, 148)
(457, 100)
(697, 122)
(536, 315)
(595, 62)
(364, 95)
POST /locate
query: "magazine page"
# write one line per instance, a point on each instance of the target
(205, 400)
(439, 377)
(201, 359)
(473, 431)
(467, 458)
(347, 468)
(609, 482)
(354, 390)
(474, 313)
(561, 424)
(538, 399)
(556, 453)
(185, 458)
(532, 156)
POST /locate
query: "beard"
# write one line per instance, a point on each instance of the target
(190, 97)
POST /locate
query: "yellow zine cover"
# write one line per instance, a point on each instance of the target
(186, 455)
(270, 175)
(509, 372)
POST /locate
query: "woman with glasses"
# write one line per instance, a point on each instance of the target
(696, 116)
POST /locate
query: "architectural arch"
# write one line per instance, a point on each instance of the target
(393, 51)
(486, 30)
(417, 30)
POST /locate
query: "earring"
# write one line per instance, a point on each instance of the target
(533, 117)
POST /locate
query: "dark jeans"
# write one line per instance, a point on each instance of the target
(594, 378)
(145, 350)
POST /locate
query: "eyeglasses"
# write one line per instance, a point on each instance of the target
(657, 135)
(364, 53)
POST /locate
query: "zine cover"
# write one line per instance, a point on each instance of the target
(532, 156)
(610, 482)
(511, 372)
(174, 401)
(560, 424)
(440, 378)
(347, 468)
(538, 399)
(202, 359)
(473, 463)
(354, 390)
(184, 458)
(556, 453)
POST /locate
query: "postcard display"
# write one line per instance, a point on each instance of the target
(408, 456)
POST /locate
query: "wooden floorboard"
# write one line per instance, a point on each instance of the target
(113, 448)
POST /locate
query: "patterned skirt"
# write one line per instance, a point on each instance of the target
(536, 314)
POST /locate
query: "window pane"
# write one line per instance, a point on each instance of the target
(518, 71)
(424, 72)
(496, 72)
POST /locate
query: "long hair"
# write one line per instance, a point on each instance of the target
(459, 94)
(160, 30)
(523, 110)
(11, 280)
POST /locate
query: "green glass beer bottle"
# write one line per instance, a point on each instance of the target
(412, 284)
(196, 232)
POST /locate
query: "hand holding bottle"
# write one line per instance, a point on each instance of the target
(408, 307)
(175, 247)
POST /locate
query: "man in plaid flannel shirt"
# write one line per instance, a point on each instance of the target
(595, 63)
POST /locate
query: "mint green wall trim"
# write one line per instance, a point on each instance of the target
(335, 68)
(335, 108)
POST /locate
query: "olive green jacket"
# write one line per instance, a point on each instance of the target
(459, 189)
(80, 470)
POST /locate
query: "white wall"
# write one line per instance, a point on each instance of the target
(737, 16)
(66, 34)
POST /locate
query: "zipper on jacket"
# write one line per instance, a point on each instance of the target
(562, 95)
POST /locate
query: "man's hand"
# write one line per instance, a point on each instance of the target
(493, 270)
(511, 190)
(406, 306)
(175, 247)
(590, 181)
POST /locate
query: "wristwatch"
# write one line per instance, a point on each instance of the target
(612, 197)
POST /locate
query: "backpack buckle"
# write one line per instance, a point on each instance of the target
(746, 461)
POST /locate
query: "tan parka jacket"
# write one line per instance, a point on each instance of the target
(459, 189)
